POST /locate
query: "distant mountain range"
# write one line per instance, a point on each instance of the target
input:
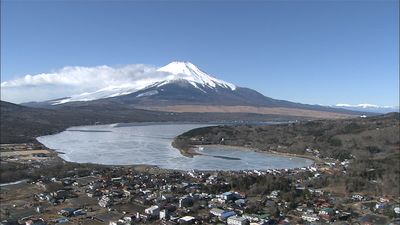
(183, 87)
(368, 108)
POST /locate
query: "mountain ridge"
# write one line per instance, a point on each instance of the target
(181, 83)
(368, 108)
(170, 73)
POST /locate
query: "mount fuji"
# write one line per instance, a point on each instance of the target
(175, 72)
(182, 87)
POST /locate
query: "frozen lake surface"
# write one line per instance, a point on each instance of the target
(132, 144)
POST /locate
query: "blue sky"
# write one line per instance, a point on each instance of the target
(319, 52)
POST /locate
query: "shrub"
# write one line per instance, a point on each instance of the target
(352, 128)
(335, 142)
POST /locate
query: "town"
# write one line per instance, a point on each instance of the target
(150, 195)
(223, 112)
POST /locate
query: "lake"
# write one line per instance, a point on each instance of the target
(150, 143)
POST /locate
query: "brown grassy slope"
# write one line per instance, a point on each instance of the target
(250, 109)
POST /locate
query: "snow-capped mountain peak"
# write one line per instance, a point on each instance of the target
(187, 71)
(174, 71)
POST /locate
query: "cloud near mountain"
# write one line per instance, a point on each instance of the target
(71, 80)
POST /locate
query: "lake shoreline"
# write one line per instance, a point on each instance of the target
(315, 159)
(191, 151)
(151, 146)
(58, 157)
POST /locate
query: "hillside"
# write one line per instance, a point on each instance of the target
(23, 124)
(372, 144)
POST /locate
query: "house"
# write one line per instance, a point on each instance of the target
(397, 209)
(105, 201)
(344, 215)
(128, 219)
(185, 202)
(127, 193)
(251, 218)
(67, 211)
(68, 182)
(357, 197)
(61, 220)
(274, 194)
(380, 205)
(91, 193)
(81, 182)
(39, 209)
(94, 186)
(60, 194)
(217, 212)
(186, 220)
(140, 201)
(326, 211)
(237, 220)
(167, 197)
(116, 179)
(79, 212)
(240, 202)
(35, 222)
(228, 196)
(384, 200)
(141, 217)
(164, 214)
(259, 223)
(326, 214)
(226, 215)
(310, 217)
(153, 211)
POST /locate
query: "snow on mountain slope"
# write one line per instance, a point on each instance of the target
(107, 92)
(364, 106)
(174, 71)
(191, 73)
(368, 108)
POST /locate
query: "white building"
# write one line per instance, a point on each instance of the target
(186, 219)
(153, 210)
(164, 214)
(217, 212)
(274, 194)
(237, 220)
(357, 197)
(105, 201)
(310, 217)
(251, 218)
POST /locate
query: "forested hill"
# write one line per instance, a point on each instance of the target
(372, 144)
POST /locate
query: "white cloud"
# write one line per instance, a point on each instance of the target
(75, 80)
